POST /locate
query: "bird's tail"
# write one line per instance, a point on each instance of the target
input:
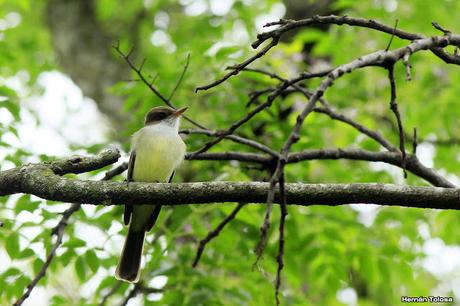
(130, 260)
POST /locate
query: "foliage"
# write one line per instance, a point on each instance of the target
(327, 248)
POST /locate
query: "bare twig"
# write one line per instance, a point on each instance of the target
(366, 131)
(393, 158)
(279, 257)
(438, 27)
(179, 81)
(326, 109)
(132, 294)
(111, 292)
(453, 141)
(139, 288)
(288, 25)
(214, 233)
(392, 35)
(260, 247)
(248, 142)
(152, 88)
(255, 95)
(379, 58)
(408, 66)
(59, 230)
(303, 76)
(219, 136)
(414, 141)
(239, 67)
(394, 109)
(243, 120)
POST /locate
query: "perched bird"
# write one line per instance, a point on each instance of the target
(156, 152)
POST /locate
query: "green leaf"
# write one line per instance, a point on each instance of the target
(26, 253)
(80, 269)
(67, 256)
(74, 242)
(107, 282)
(20, 284)
(59, 300)
(92, 260)
(11, 272)
(25, 203)
(37, 265)
(12, 245)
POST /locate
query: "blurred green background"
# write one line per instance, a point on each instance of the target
(64, 90)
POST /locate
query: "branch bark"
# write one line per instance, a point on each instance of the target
(40, 181)
(45, 180)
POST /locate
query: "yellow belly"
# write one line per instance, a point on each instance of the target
(157, 157)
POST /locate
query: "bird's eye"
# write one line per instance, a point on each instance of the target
(161, 116)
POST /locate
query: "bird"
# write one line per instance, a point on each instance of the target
(157, 150)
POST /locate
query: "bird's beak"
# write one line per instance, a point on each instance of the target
(179, 111)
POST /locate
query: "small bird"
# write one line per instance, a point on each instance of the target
(156, 152)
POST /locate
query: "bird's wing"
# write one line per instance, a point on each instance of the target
(129, 208)
(172, 176)
(132, 160)
(154, 216)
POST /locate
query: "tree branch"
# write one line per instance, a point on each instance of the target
(248, 142)
(237, 68)
(288, 25)
(44, 179)
(214, 233)
(395, 110)
(56, 188)
(280, 256)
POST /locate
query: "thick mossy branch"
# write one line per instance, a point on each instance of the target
(17, 179)
(53, 187)
(44, 180)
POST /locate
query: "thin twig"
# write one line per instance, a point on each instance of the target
(438, 27)
(111, 292)
(132, 294)
(394, 109)
(260, 247)
(58, 231)
(220, 136)
(139, 288)
(326, 109)
(288, 25)
(239, 67)
(408, 66)
(187, 62)
(243, 120)
(255, 95)
(279, 257)
(379, 58)
(366, 131)
(152, 88)
(454, 141)
(249, 142)
(214, 233)
(393, 158)
(303, 76)
(392, 35)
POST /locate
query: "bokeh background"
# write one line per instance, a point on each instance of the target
(64, 91)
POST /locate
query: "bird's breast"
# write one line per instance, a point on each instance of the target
(158, 154)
